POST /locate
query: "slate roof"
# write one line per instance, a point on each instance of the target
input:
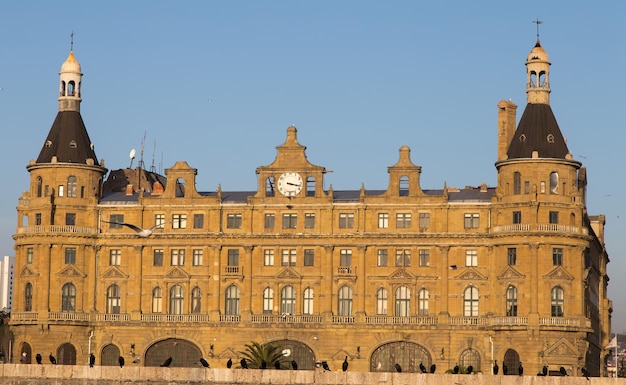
(538, 131)
(68, 140)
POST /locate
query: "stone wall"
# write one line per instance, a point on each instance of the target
(16, 374)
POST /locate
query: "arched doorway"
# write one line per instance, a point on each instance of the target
(25, 353)
(295, 351)
(110, 355)
(510, 363)
(406, 354)
(66, 354)
(184, 354)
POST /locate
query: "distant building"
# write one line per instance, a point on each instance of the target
(397, 276)
(6, 282)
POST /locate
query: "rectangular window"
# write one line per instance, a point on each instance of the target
(179, 221)
(158, 257)
(269, 221)
(233, 221)
(38, 219)
(403, 257)
(233, 257)
(554, 217)
(472, 220)
(197, 257)
(403, 220)
(309, 257)
(424, 257)
(346, 221)
(345, 257)
(70, 219)
(115, 221)
(424, 220)
(309, 221)
(511, 256)
(70, 256)
(517, 217)
(159, 219)
(178, 257)
(527, 187)
(198, 221)
(115, 257)
(383, 220)
(289, 257)
(557, 256)
(382, 257)
(29, 255)
(289, 221)
(471, 257)
(268, 257)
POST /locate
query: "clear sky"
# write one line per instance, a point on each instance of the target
(217, 83)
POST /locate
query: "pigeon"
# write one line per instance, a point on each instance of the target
(167, 363)
(544, 371)
(433, 367)
(244, 363)
(204, 362)
(277, 365)
(92, 360)
(456, 369)
(143, 233)
(38, 358)
(294, 365)
(53, 360)
(345, 364)
(469, 369)
(583, 370)
(398, 368)
(325, 365)
(495, 367)
(520, 369)
(137, 360)
(563, 371)
(423, 368)
(229, 363)
(263, 364)
(505, 369)
(121, 361)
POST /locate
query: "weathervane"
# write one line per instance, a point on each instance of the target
(537, 22)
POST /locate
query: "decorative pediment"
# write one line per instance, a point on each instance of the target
(71, 271)
(559, 273)
(177, 273)
(401, 273)
(288, 273)
(511, 273)
(562, 348)
(471, 274)
(114, 272)
(28, 272)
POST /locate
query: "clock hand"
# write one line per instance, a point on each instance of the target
(292, 184)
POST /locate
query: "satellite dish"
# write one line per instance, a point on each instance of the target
(132, 157)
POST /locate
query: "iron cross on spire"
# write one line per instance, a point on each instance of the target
(72, 41)
(537, 22)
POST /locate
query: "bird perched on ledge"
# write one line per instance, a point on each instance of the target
(142, 233)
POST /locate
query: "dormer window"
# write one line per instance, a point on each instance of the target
(522, 138)
(73, 144)
(550, 138)
(48, 143)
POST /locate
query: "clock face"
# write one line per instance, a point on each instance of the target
(290, 184)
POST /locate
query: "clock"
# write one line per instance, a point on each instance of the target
(290, 184)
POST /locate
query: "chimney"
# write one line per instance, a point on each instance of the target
(129, 189)
(506, 127)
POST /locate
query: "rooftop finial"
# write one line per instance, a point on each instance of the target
(537, 22)
(72, 41)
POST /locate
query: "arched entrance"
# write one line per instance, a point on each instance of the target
(295, 351)
(66, 354)
(406, 354)
(110, 355)
(25, 353)
(510, 363)
(184, 354)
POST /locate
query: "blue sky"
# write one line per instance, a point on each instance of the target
(217, 83)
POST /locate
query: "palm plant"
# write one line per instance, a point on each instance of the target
(260, 356)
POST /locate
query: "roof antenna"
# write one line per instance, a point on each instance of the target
(152, 167)
(537, 22)
(72, 41)
(143, 143)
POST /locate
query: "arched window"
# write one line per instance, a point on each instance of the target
(344, 301)
(381, 301)
(556, 301)
(517, 183)
(511, 301)
(176, 299)
(307, 301)
(268, 300)
(28, 297)
(422, 302)
(288, 300)
(110, 355)
(157, 300)
(470, 357)
(71, 186)
(470, 302)
(70, 88)
(554, 183)
(403, 302)
(180, 188)
(404, 186)
(39, 187)
(196, 300)
(232, 300)
(68, 297)
(113, 299)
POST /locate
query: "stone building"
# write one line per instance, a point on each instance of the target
(402, 275)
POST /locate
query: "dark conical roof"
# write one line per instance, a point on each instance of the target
(68, 140)
(538, 131)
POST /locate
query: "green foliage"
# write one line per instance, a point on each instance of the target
(255, 354)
